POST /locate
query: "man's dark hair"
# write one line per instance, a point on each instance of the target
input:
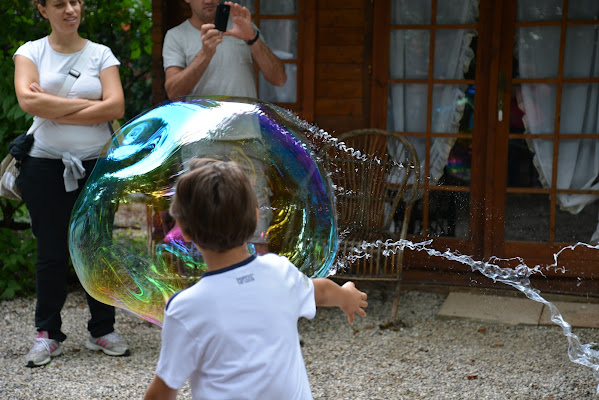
(215, 204)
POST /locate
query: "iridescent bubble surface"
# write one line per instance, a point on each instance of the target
(124, 245)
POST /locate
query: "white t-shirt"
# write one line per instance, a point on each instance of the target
(82, 141)
(234, 333)
(230, 72)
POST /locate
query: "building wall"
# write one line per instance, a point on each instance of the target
(342, 61)
(165, 15)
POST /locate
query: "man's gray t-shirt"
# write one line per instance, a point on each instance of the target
(230, 72)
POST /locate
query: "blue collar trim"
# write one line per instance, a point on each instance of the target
(232, 267)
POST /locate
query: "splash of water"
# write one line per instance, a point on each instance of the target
(518, 277)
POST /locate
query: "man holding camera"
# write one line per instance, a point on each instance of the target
(201, 60)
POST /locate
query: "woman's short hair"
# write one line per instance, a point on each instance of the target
(215, 204)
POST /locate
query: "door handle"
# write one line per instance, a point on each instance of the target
(500, 95)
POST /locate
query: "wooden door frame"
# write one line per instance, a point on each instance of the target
(495, 184)
(380, 63)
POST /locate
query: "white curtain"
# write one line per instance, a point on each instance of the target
(281, 37)
(408, 54)
(538, 57)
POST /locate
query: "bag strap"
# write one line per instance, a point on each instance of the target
(37, 122)
(75, 72)
(69, 81)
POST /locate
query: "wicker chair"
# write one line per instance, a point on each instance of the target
(374, 172)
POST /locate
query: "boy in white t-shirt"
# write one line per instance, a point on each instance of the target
(234, 333)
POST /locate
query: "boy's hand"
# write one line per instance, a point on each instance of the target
(354, 301)
(349, 299)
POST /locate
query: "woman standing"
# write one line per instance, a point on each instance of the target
(71, 133)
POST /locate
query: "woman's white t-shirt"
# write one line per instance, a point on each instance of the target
(82, 141)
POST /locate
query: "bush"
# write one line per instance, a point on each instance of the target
(124, 26)
(18, 253)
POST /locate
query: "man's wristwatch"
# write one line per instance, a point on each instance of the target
(251, 42)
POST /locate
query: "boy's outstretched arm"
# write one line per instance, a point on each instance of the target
(158, 390)
(328, 294)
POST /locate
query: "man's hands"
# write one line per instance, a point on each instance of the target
(180, 81)
(211, 37)
(242, 29)
(242, 23)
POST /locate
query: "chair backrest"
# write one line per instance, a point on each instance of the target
(373, 170)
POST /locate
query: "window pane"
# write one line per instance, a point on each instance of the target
(408, 54)
(467, 120)
(574, 228)
(449, 104)
(521, 171)
(542, 152)
(517, 124)
(406, 107)
(410, 12)
(249, 4)
(527, 217)
(583, 9)
(538, 51)
(280, 94)
(281, 36)
(580, 108)
(453, 53)
(458, 170)
(448, 214)
(278, 7)
(582, 52)
(577, 168)
(456, 12)
(537, 102)
(546, 10)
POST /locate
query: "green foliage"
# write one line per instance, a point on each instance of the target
(18, 253)
(123, 25)
(126, 27)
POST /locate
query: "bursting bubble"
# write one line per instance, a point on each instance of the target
(125, 247)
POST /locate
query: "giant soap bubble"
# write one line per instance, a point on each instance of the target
(124, 245)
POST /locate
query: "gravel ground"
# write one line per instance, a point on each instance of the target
(428, 358)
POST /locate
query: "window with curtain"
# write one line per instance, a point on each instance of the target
(278, 23)
(412, 30)
(538, 53)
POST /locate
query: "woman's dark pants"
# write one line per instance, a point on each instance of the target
(42, 188)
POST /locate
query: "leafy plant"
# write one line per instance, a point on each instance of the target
(18, 251)
(126, 27)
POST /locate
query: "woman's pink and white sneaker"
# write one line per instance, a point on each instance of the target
(110, 344)
(42, 351)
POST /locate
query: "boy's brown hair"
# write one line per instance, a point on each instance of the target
(215, 204)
